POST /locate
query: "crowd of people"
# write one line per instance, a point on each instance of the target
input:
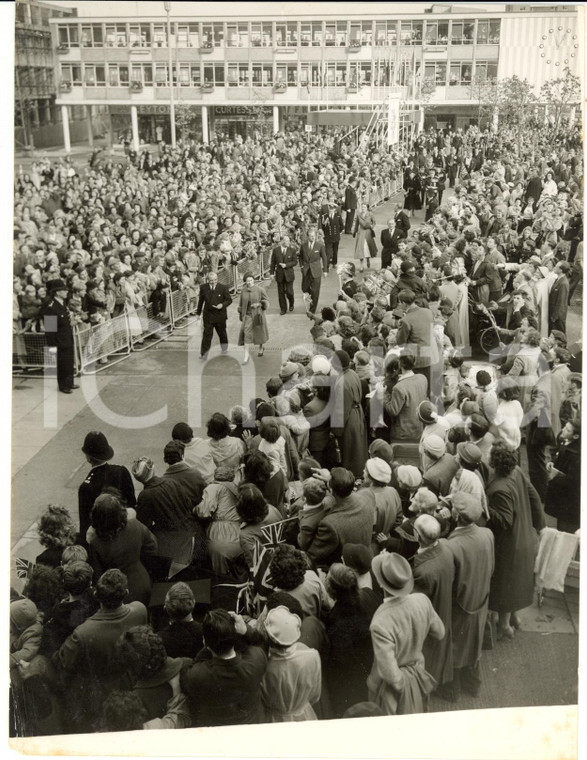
(379, 510)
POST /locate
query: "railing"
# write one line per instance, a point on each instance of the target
(97, 345)
(29, 351)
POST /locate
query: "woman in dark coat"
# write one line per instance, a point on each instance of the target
(413, 190)
(563, 494)
(350, 657)
(252, 307)
(118, 543)
(347, 419)
(515, 515)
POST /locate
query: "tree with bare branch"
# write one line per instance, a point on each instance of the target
(560, 93)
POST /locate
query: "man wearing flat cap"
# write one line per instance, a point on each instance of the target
(399, 682)
(59, 334)
(472, 549)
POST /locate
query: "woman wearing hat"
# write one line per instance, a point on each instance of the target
(399, 682)
(252, 307)
(293, 679)
(516, 515)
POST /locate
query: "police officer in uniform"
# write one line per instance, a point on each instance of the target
(59, 334)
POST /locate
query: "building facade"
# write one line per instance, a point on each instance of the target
(238, 74)
(36, 114)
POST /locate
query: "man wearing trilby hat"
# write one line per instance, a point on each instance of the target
(59, 334)
(399, 682)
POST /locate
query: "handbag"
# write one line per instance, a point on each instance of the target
(257, 319)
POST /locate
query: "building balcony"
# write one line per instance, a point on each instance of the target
(354, 46)
(280, 87)
(206, 47)
(65, 87)
(207, 88)
(62, 49)
(136, 87)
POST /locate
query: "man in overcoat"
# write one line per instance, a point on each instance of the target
(332, 226)
(314, 264)
(283, 261)
(558, 299)
(59, 335)
(472, 549)
(212, 304)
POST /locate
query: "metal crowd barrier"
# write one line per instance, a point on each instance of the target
(183, 305)
(244, 266)
(266, 263)
(145, 323)
(29, 353)
(107, 343)
(227, 276)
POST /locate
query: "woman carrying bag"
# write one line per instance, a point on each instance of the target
(252, 307)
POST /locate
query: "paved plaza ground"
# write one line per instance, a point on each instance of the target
(538, 668)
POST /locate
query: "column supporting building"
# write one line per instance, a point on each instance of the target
(90, 127)
(275, 119)
(65, 123)
(205, 133)
(134, 120)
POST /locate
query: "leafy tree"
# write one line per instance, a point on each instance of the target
(488, 94)
(560, 93)
(184, 119)
(516, 103)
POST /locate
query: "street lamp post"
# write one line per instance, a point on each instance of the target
(167, 5)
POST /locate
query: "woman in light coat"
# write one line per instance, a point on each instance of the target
(252, 307)
(364, 232)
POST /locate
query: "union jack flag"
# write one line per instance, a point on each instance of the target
(23, 568)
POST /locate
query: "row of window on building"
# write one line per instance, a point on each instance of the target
(283, 34)
(330, 74)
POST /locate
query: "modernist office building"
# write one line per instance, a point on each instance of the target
(241, 71)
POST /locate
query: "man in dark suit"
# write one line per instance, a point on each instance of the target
(390, 236)
(484, 273)
(283, 261)
(313, 263)
(402, 220)
(59, 335)
(331, 221)
(350, 205)
(558, 300)
(214, 300)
